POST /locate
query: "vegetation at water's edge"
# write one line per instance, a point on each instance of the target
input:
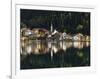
(69, 22)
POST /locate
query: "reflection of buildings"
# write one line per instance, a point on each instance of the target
(42, 47)
(35, 47)
(78, 45)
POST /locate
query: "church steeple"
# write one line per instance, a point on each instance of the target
(51, 27)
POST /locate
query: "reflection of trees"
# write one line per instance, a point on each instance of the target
(72, 58)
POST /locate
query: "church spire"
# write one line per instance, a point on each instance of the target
(51, 27)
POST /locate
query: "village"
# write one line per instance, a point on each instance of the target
(43, 34)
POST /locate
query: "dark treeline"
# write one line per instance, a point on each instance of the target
(69, 22)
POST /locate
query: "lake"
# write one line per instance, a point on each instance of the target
(37, 54)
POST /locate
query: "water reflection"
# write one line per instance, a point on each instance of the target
(50, 54)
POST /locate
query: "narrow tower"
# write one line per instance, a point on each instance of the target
(51, 27)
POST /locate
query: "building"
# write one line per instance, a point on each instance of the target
(39, 33)
(78, 37)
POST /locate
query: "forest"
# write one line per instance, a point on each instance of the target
(63, 21)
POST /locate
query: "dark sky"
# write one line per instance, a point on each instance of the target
(71, 22)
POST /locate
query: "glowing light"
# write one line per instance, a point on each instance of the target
(29, 49)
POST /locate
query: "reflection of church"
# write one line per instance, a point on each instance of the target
(43, 47)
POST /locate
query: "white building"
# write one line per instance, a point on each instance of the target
(78, 37)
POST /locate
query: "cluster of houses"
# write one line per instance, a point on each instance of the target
(41, 33)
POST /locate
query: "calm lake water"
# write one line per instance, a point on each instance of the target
(36, 54)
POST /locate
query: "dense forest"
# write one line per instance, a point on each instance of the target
(63, 21)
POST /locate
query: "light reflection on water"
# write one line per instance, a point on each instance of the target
(46, 54)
